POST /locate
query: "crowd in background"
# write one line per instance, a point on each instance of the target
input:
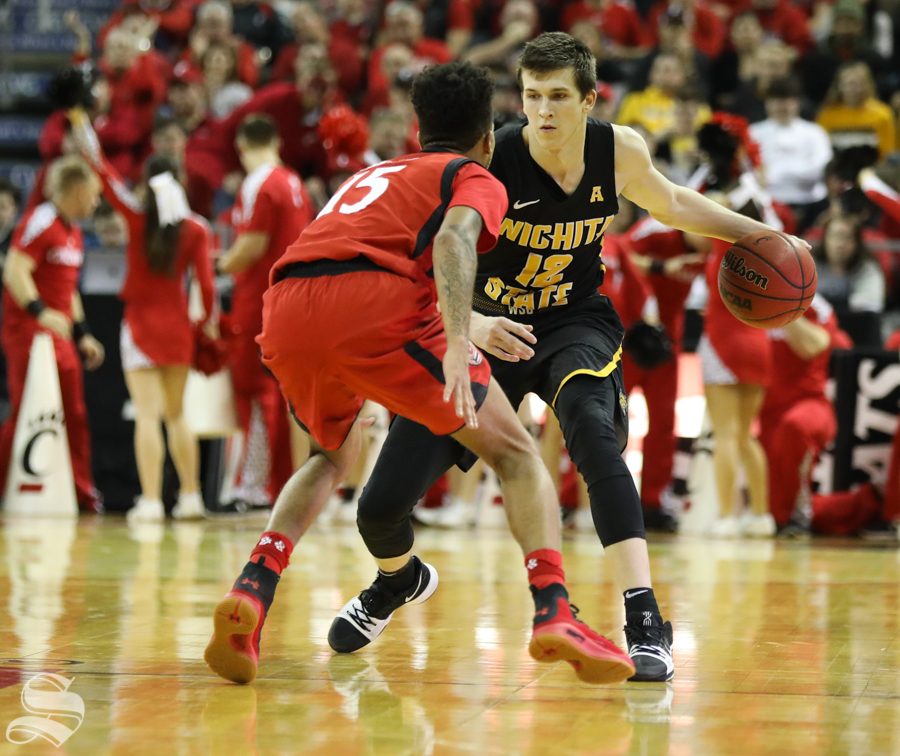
(812, 89)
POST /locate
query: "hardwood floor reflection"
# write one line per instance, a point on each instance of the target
(781, 647)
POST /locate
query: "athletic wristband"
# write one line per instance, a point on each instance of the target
(80, 330)
(35, 307)
(657, 267)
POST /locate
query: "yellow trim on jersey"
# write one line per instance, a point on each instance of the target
(601, 373)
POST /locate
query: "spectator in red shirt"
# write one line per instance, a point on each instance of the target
(40, 280)
(347, 55)
(395, 59)
(224, 92)
(797, 419)
(783, 19)
(403, 24)
(625, 33)
(215, 25)
(204, 162)
(172, 20)
(519, 22)
(708, 33)
(272, 209)
(296, 108)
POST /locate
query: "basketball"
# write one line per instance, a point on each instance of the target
(766, 280)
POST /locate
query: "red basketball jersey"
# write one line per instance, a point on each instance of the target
(57, 250)
(272, 200)
(390, 213)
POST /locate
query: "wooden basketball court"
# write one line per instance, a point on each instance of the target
(781, 647)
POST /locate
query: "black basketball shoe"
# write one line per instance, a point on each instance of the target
(650, 647)
(364, 617)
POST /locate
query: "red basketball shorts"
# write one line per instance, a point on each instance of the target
(333, 341)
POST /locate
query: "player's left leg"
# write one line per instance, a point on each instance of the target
(589, 414)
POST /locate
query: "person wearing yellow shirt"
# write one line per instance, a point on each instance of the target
(853, 116)
(652, 110)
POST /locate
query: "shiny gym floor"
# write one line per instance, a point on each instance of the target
(781, 647)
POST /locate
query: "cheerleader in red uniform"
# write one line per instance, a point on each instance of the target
(157, 339)
(736, 358)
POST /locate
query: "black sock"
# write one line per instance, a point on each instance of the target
(641, 600)
(258, 580)
(402, 579)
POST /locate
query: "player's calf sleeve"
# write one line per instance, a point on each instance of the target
(411, 460)
(587, 409)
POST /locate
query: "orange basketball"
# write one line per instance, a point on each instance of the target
(766, 280)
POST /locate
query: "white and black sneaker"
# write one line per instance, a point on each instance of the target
(364, 617)
(650, 647)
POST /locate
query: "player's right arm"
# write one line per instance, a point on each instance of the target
(18, 278)
(455, 260)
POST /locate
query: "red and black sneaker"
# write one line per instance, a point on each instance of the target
(233, 650)
(559, 636)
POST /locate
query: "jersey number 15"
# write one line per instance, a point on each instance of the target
(373, 180)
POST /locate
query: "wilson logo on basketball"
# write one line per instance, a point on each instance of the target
(736, 265)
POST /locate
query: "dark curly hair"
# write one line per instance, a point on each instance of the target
(553, 51)
(453, 104)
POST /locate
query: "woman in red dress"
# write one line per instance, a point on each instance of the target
(157, 338)
(735, 358)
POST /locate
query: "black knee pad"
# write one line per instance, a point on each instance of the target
(411, 460)
(593, 416)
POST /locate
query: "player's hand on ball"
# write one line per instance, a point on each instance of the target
(501, 337)
(457, 386)
(800, 242)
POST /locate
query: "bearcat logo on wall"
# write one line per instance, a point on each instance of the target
(45, 428)
(54, 712)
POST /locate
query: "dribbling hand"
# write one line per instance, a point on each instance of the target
(457, 387)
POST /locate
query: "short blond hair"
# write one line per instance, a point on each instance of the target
(66, 172)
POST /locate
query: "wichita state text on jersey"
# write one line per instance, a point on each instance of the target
(548, 254)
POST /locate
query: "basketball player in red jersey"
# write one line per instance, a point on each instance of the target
(165, 240)
(41, 295)
(271, 210)
(352, 313)
(557, 336)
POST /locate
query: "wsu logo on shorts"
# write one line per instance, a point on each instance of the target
(475, 356)
(54, 713)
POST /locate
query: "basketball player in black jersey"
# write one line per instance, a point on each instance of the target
(538, 313)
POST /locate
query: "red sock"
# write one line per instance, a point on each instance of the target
(273, 551)
(544, 568)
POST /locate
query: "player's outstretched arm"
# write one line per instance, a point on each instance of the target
(455, 262)
(673, 205)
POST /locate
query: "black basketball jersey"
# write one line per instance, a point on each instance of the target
(548, 252)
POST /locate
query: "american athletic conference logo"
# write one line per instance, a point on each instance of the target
(54, 712)
(51, 425)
